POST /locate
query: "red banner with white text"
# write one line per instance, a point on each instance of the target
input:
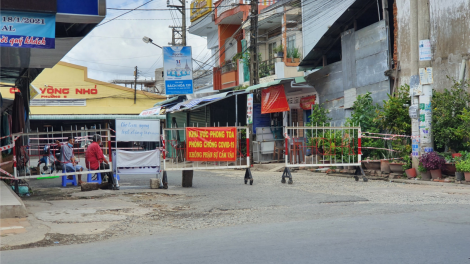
(273, 100)
(211, 143)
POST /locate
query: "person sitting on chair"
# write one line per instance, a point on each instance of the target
(69, 163)
(95, 159)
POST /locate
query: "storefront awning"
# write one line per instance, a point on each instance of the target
(296, 80)
(93, 117)
(194, 102)
(167, 101)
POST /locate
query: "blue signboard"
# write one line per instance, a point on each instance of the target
(27, 30)
(178, 70)
(82, 7)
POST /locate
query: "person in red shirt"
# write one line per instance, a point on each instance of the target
(95, 160)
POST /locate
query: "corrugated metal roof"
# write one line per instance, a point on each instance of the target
(92, 117)
(166, 101)
(262, 85)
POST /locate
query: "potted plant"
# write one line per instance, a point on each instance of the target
(410, 172)
(464, 166)
(289, 55)
(296, 55)
(459, 174)
(397, 167)
(424, 174)
(371, 164)
(279, 50)
(449, 167)
(433, 163)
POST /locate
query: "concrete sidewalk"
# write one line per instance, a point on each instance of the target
(11, 206)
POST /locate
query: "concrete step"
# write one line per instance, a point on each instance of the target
(11, 205)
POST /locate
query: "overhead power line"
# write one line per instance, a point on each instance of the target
(123, 14)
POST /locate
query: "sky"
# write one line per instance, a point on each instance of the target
(112, 50)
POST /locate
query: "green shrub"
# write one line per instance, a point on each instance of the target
(463, 166)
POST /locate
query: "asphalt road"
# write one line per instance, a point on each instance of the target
(420, 237)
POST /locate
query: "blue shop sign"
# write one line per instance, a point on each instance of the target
(27, 30)
(83, 7)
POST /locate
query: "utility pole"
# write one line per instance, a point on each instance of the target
(425, 123)
(175, 29)
(187, 175)
(135, 84)
(254, 77)
(414, 80)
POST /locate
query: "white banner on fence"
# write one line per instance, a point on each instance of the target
(137, 130)
(137, 162)
(138, 158)
(139, 170)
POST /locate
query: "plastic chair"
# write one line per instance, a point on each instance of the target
(73, 181)
(90, 178)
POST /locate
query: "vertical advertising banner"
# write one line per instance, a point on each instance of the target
(249, 109)
(178, 70)
(27, 30)
(211, 143)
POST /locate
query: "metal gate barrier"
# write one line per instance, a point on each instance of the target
(326, 146)
(233, 153)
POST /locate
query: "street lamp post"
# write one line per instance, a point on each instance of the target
(149, 40)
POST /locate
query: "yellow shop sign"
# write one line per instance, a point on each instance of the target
(200, 8)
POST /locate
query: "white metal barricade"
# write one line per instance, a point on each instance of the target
(325, 146)
(175, 156)
(32, 156)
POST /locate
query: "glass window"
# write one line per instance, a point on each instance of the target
(290, 43)
(272, 47)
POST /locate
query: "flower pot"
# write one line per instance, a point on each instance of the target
(436, 174)
(459, 176)
(456, 155)
(396, 167)
(425, 176)
(384, 166)
(296, 60)
(449, 169)
(467, 176)
(288, 60)
(411, 173)
(280, 54)
(372, 165)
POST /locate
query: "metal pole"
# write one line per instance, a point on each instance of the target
(135, 85)
(254, 77)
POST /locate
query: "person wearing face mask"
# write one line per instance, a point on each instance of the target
(67, 159)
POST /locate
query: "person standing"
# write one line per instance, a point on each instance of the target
(95, 160)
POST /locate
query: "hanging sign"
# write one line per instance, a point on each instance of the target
(178, 70)
(211, 143)
(425, 50)
(307, 102)
(27, 30)
(273, 100)
(138, 130)
(249, 109)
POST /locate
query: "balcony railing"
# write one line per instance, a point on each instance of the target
(229, 66)
(225, 5)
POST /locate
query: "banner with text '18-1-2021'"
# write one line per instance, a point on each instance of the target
(27, 30)
(211, 143)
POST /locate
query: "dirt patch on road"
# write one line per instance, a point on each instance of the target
(59, 239)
